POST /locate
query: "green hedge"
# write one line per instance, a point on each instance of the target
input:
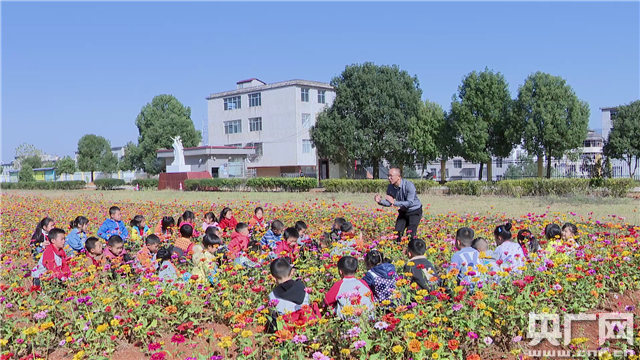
(256, 184)
(108, 184)
(370, 186)
(45, 185)
(145, 183)
(542, 187)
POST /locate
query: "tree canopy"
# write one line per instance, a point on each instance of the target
(624, 138)
(94, 154)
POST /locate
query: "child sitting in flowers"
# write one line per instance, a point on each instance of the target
(115, 250)
(146, 257)
(349, 296)
(164, 229)
(258, 218)
(380, 276)
(166, 269)
(139, 228)
(209, 220)
(508, 254)
(78, 235)
(40, 237)
(183, 246)
(53, 258)
(227, 220)
(423, 273)
(466, 259)
(204, 259)
(289, 295)
(113, 225)
(303, 238)
(527, 242)
(348, 243)
(487, 264)
(189, 218)
(94, 253)
(272, 237)
(289, 245)
(239, 240)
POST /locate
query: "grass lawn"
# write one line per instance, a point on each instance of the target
(628, 208)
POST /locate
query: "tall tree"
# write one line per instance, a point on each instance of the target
(481, 114)
(66, 165)
(550, 117)
(447, 144)
(34, 161)
(424, 130)
(26, 173)
(160, 120)
(94, 154)
(334, 138)
(24, 151)
(373, 106)
(624, 138)
(131, 157)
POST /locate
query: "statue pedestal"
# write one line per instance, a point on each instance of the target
(182, 168)
(173, 180)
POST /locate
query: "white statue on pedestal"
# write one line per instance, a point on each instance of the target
(178, 164)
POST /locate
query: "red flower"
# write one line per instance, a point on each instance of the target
(453, 344)
(185, 326)
(159, 356)
(178, 338)
(154, 346)
(107, 309)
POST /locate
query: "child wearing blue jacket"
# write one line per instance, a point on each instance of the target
(114, 225)
(78, 235)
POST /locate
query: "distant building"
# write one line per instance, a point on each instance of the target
(219, 161)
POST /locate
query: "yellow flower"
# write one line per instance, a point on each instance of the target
(46, 326)
(435, 355)
(3, 342)
(115, 322)
(246, 333)
(79, 355)
(397, 349)
(315, 346)
(101, 328)
(345, 352)
(409, 316)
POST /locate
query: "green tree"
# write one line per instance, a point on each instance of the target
(24, 151)
(26, 173)
(424, 130)
(371, 114)
(94, 154)
(66, 165)
(481, 116)
(160, 120)
(447, 144)
(550, 117)
(624, 138)
(524, 167)
(131, 157)
(33, 161)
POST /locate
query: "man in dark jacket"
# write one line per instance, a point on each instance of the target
(402, 193)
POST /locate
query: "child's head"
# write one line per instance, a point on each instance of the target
(416, 247)
(502, 233)
(115, 245)
(242, 228)
(187, 217)
(347, 266)
(290, 235)
(301, 226)
(56, 236)
(186, 231)
(138, 221)
(213, 231)
(552, 231)
(569, 231)
(373, 258)
(152, 243)
(281, 269)
(276, 227)
(164, 254)
(526, 237)
(464, 237)
(226, 213)
(46, 224)
(346, 227)
(258, 212)
(210, 218)
(167, 222)
(337, 223)
(79, 222)
(211, 242)
(480, 244)
(93, 246)
(115, 214)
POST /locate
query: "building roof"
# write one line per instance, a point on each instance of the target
(296, 82)
(609, 108)
(249, 80)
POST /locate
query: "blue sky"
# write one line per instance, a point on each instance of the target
(70, 69)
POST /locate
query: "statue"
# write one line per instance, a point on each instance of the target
(178, 152)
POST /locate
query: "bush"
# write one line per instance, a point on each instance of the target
(619, 187)
(45, 185)
(256, 184)
(108, 184)
(543, 187)
(216, 184)
(370, 185)
(145, 183)
(467, 187)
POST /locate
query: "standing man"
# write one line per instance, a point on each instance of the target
(402, 193)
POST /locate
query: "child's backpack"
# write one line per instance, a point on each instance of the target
(382, 288)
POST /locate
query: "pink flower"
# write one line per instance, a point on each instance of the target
(472, 335)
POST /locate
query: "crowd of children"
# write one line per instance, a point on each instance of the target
(160, 252)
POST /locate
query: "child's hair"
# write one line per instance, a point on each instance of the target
(346, 227)
(525, 236)
(241, 226)
(571, 227)
(41, 225)
(503, 231)
(300, 225)
(465, 235)
(211, 216)
(78, 221)
(417, 247)
(212, 230)
(290, 232)
(91, 243)
(281, 268)
(209, 240)
(259, 208)
(115, 240)
(348, 265)
(373, 258)
(55, 232)
(480, 244)
(224, 212)
(136, 221)
(113, 210)
(164, 253)
(167, 222)
(339, 221)
(187, 216)
(186, 230)
(277, 225)
(552, 230)
(152, 240)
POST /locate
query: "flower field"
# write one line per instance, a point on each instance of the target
(94, 315)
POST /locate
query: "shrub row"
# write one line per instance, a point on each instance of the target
(145, 183)
(370, 186)
(108, 184)
(542, 187)
(255, 184)
(45, 185)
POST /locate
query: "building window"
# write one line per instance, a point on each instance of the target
(233, 127)
(304, 94)
(255, 124)
(321, 98)
(306, 146)
(255, 100)
(457, 164)
(233, 102)
(258, 148)
(306, 121)
(499, 162)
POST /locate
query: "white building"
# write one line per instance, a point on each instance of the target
(274, 119)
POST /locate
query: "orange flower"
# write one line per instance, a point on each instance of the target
(453, 344)
(474, 357)
(414, 346)
(171, 309)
